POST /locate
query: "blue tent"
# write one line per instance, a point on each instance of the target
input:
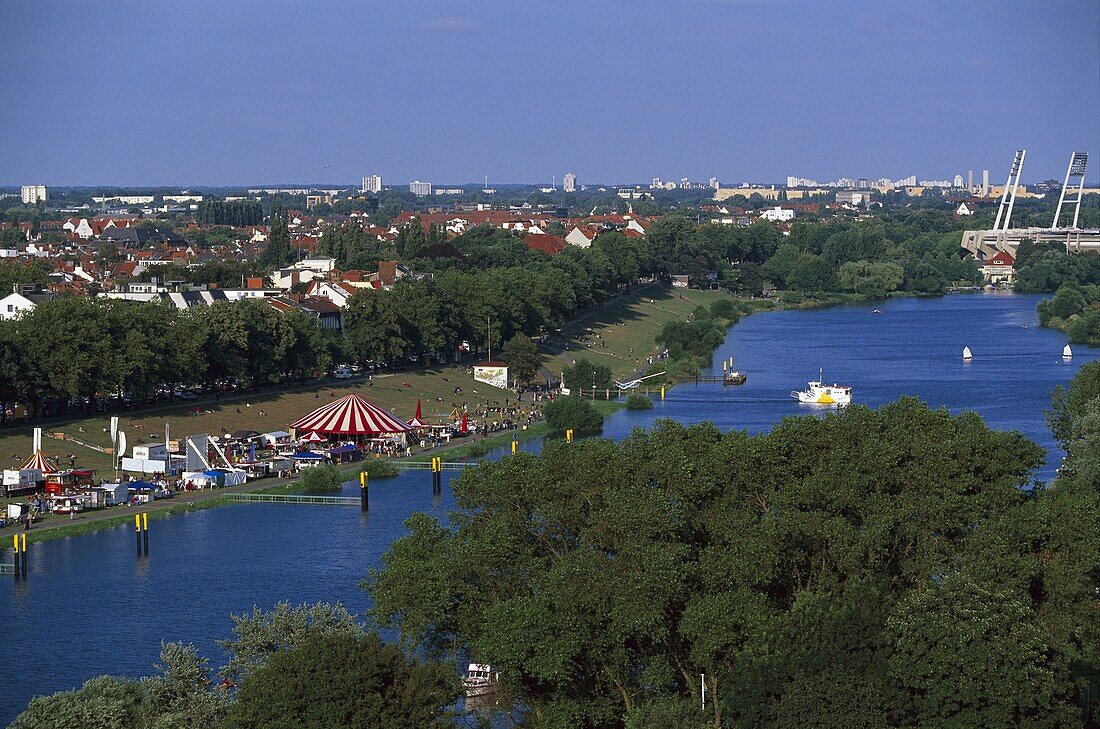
(308, 456)
(213, 474)
(141, 486)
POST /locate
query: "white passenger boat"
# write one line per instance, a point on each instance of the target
(818, 393)
(480, 679)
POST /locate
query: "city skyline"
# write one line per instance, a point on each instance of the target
(229, 95)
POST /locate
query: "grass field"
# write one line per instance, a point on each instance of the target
(627, 329)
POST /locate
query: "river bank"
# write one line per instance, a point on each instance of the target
(206, 563)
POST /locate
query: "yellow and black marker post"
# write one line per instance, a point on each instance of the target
(137, 532)
(515, 447)
(569, 435)
(145, 529)
(364, 495)
(437, 475)
(24, 551)
(15, 555)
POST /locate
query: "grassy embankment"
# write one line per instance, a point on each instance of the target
(628, 329)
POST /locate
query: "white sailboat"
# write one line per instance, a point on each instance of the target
(967, 354)
(1067, 353)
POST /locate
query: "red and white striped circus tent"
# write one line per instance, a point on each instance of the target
(351, 415)
(39, 461)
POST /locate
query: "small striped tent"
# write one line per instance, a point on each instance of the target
(350, 415)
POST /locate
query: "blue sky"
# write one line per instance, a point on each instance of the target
(198, 92)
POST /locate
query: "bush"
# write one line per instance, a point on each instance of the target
(321, 478)
(344, 681)
(685, 368)
(377, 468)
(573, 412)
(478, 449)
(726, 309)
(637, 401)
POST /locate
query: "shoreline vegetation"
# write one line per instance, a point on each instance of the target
(667, 307)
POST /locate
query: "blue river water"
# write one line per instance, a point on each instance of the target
(89, 607)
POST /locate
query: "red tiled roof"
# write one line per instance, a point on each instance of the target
(545, 242)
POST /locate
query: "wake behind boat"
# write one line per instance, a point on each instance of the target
(818, 393)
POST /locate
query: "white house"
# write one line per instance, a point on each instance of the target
(965, 209)
(778, 214)
(338, 292)
(23, 298)
(580, 237)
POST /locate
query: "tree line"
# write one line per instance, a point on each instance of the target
(236, 213)
(68, 353)
(869, 568)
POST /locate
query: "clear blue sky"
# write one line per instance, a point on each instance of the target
(197, 92)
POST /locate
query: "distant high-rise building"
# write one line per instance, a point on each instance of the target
(656, 184)
(420, 189)
(970, 180)
(569, 182)
(685, 183)
(372, 183)
(958, 181)
(985, 182)
(32, 194)
(714, 183)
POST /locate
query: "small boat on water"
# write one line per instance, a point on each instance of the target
(967, 354)
(1067, 353)
(480, 679)
(735, 377)
(876, 311)
(818, 393)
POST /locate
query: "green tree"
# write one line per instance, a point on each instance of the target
(582, 374)
(522, 356)
(372, 327)
(318, 479)
(344, 681)
(1068, 404)
(870, 279)
(259, 635)
(181, 694)
(279, 251)
(807, 572)
(410, 238)
(990, 644)
(104, 702)
(575, 413)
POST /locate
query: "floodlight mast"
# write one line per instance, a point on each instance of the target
(1008, 196)
(1078, 161)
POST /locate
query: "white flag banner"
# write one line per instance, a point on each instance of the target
(114, 428)
(121, 443)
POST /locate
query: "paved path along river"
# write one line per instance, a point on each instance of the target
(90, 607)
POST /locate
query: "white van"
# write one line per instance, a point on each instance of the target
(342, 373)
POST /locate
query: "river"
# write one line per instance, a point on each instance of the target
(89, 607)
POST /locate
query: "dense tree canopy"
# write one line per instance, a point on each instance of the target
(70, 349)
(344, 681)
(870, 568)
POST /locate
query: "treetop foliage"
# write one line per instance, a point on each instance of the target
(880, 568)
